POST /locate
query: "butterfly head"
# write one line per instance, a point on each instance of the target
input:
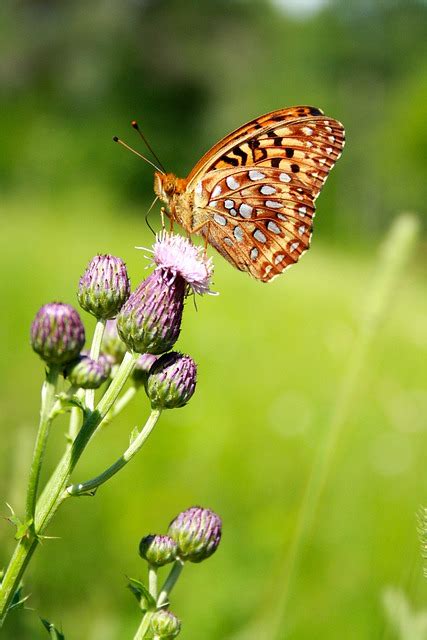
(166, 185)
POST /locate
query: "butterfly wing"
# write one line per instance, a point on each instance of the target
(254, 192)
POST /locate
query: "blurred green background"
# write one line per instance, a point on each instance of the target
(272, 359)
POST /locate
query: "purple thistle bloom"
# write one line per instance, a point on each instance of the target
(57, 333)
(171, 381)
(104, 286)
(150, 320)
(158, 550)
(87, 373)
(164, 624)
(197, 533)
(179, 256)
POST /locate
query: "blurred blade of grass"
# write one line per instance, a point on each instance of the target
(394, 253)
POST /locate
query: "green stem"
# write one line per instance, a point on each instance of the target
(75, 420)
(94, 354)
(91, 485)
(170, 582)
(152, 581)
(47, 402)
(143, 627)
(54, 492)
(120, 404)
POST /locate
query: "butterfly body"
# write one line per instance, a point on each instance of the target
(252, 195)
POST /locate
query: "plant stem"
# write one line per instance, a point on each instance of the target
(170, 582)
(54, 493)
(121, 403)
(152, 581)
(163, 598)
(94, 354)
(134, 447)
(143, 627)
(47, 402)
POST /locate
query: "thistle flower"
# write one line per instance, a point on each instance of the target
(158, 550)
(164, 624)
(87, 373)
(57, 333)
(112, 344)
(197, 533)
(179, 256)
(104, 286)
(171, 381)
(150, 320)
(142, 368)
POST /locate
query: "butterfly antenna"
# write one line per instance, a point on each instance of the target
(135, 125)
(148, 213)
(126, 146)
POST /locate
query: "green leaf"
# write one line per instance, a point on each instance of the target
(65, 402)
(22, 528)
(141, 593)
(52, 630)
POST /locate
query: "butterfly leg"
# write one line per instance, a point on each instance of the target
(204, 224)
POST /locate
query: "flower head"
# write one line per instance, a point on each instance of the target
(164, 624)
(57, 333)
(158, 550)
(197, 533)
(104, 286)
(87, 373)
(179, 256)
(171, 381)
(150, 320)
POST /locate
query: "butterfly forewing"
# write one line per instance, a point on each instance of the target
(252, 195)
(258, 195)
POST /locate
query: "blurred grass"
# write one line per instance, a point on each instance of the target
(271, 359)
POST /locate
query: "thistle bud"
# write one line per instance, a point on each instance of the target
(150, 320)
(158, 550)
(142, 368)
(112, 344)
(57, 333)
(171, 381)
(104, 286)
(164, 624)
(197, 533)
(87, 373)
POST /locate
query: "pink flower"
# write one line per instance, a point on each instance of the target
(179, 256)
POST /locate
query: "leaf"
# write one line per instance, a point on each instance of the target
(141, 593)
(52, 630)
(22, 528)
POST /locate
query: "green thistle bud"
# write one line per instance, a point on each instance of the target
(197, 533)
(158, 550)
(142, 368)
(150, 320)
(87, 373)
(104, 287)
(164, 624)
(112, 344)
(57, 333)
(171, 381)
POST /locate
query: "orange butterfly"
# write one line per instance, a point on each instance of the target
(252, 195)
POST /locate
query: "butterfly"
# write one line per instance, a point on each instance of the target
(252, 195)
